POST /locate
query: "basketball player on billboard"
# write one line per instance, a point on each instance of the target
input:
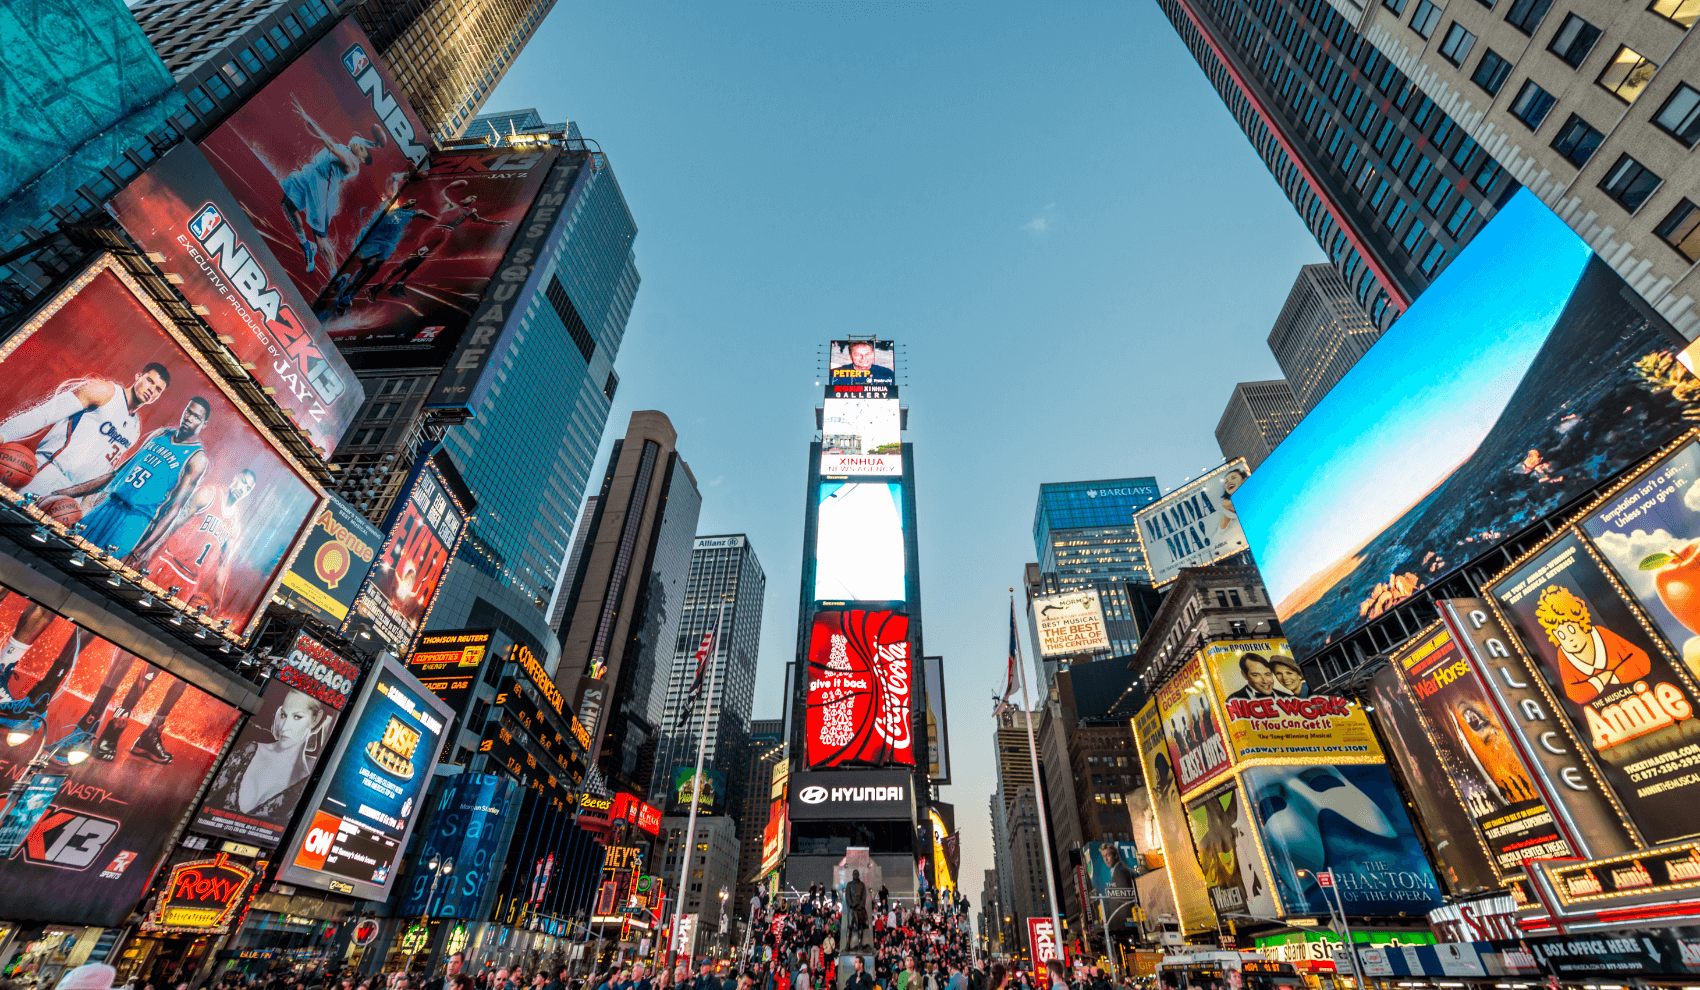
(374, 250)
(150, 488)
(29, 712)
(454, 214)
(193, 551)
(311, 192)
(91, 424)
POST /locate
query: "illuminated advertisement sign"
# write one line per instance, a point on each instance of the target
(1348, 819)
(1522, 378)
(862, 369)
(938, 726)
(124, 746)
(1110, 869)
(1185, 882)
(180, 211)
(465, 828)
(1639, 882)
(1226, 841)
(265, 775)
(1192, 526)
(1629, 701)
(447, 663)
(1273, 716)
(860, 675)
(331, 563)
(116, 424)
(712, 800)
(1070, 623)
(368, 801)
(200, 897)
(1649, 533)
(861, 436)
(1197, 751)
(1042, 941)
(400, 300)
(859, 555)
(424, 531)
(316, 156)
(1461, 857)
(1479, 753)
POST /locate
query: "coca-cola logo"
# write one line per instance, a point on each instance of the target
(891, 663)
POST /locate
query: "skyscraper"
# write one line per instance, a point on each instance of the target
(1084, 536)
(720, 565)
(766, 748)
(1320, 334)
(1017, 853)
(448, 55)
(1382, 176)
(627, 598)
(1259, 416)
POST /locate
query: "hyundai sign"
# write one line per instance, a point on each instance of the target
(853, 794)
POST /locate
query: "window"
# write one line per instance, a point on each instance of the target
(1463, 153)
(1397, 162)
(1425, 109)
(1443, 133)
(1681, 230)
(1491, 72)
(1627, 74)
(278, 38)
(1380, 196)
(1487, 175)
(1397, 214)
(1629, 183)
(1576, 141)
(1525, 15)
(1684, 12)
(1364, 177)
(236, 75)
(1388, 129)
(251, 60)
(293, 28)
(1432, 259)
(1574, 40)
(1531, 105)
(1425, 19)
(1438, 197)
(220, 90)
(1397, 6)
(1456, 47)
(1413, 236)
(1461, 215)
(1419, 174)
(1680, 116)
(201, 100)
(265, 49)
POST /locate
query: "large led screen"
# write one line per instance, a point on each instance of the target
(861, 436)
(859, 543)
(424, 532)
(861, 677)
(1521, 378)
(316, 156)
(356, 824)
(113, 422)
(864, 369)
(113, 749)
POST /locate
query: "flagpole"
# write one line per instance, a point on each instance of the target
(696, 790)
(1039, 790)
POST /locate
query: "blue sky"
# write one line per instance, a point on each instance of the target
(1046, 205)
(1417, 404)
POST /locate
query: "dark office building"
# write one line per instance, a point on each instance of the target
(1389, 184)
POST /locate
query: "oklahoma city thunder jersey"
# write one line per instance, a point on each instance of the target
(146, 481)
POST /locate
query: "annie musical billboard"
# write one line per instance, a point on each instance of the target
(114, 422)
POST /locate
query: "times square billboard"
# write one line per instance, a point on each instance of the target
(1521, 379)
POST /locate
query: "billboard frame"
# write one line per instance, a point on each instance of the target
(1237, 464)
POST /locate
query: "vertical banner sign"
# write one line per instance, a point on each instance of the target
(938, 727)
(1186, 883)
(316, 156)
(1197, 751)
(1042, 942)
(1070, 623)
(466, 373)
(1226, 840)
(333, 560)
(424, 533)
(1480, 757)
(1627, 700)
(265, 775)
(860, 672)
(465, 829)
(180, 209)
(1566, 773)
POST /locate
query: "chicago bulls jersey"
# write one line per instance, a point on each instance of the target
(197, 547)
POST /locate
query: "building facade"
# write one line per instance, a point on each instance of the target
(1385, 178)
(1204, 604)
(627, 599)
(1590, 104)
(713, 868)
(1084, 537)
(1259, 416)
(722, 568)
(1018, 856)
(1320, 334)
(754, 779)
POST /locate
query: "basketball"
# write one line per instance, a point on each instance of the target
(17, 465)
(62, 509)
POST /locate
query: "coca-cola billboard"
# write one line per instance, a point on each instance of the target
(860, 672)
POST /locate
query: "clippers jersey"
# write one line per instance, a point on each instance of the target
(197, 547)
(84, 446)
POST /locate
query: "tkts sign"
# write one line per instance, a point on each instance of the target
(1042, 941)
(859, 696)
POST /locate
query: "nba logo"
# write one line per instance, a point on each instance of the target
(205, 222)
(355, 60)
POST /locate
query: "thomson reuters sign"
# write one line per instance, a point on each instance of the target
(859, 794)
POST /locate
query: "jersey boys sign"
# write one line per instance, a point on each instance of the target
(860, 672)
(180, 209)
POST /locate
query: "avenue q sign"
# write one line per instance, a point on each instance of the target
(859, 794)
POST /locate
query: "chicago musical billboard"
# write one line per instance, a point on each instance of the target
(316, 156)
(123, 745)
(113, 421)
(358, 820)
(859, 685)
(180, 211)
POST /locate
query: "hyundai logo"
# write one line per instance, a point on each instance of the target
(813, 794)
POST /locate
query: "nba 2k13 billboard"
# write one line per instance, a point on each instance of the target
(179, 209)
(112, 421)
(316, 156)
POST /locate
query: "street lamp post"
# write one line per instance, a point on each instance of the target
(438, 868)
(724, 893)
(1325, 880)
